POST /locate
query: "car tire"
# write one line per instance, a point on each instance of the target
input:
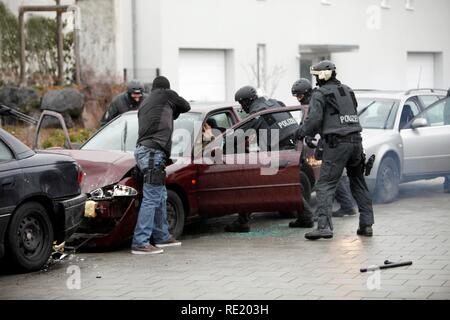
(305, 185)
(29, 237)
(388, 180)
(175, 213)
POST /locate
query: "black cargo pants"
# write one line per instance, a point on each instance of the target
(335, 158)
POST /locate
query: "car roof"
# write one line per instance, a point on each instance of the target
(20, 149)
(397, 94)
(205, 107)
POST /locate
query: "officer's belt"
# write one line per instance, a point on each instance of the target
(351, 138)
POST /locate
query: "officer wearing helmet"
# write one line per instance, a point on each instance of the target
(126, 101)
(283, 122)
(333, 114)
(302, 90)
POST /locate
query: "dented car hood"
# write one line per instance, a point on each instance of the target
(102, 168)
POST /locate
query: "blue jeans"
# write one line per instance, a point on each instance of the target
(152, 219)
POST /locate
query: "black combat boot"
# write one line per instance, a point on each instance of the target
(317, 234)
(237, 226)
(302, 223)
(365, 231)
(241, 224)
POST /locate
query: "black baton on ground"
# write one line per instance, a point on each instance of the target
(387, 265)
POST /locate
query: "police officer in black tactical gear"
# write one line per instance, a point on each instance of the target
(333, 113)
(126, 101)
(284, 122)
(302, 89)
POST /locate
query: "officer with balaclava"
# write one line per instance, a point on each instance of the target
(126, 101)
(333, 114)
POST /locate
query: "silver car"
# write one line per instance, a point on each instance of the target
(409, 133)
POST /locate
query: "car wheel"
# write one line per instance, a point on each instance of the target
(30, 237)
(175, 213)
(388, 180)
(305, 185)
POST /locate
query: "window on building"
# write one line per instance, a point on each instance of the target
(261, 66)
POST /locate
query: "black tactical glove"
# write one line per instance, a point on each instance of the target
(310, 142)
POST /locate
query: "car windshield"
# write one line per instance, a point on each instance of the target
(377, 113)
(122, 134)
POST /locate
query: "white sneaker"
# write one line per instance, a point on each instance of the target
(148, 249)
(172, 242)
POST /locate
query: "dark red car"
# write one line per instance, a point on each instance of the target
(202, 182)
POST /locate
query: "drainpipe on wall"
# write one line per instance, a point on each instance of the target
(133, 35)
(77, 29)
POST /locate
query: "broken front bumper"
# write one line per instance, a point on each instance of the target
(73, 211)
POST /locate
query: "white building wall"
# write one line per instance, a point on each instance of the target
(283, 25)
(383, 37)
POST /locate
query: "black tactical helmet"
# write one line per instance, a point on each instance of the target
(324, 65)
(244, 93)
(301, 87)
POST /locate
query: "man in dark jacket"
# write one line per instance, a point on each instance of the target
(154, 144)
(126, 101)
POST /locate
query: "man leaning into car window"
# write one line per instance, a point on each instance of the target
(154, 143)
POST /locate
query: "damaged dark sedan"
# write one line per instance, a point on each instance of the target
(40, 202)
(196, 188)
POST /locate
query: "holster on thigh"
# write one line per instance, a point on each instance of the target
(155, 176)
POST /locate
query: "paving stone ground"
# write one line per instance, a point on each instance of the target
(271, 262)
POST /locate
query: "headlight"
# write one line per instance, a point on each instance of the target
(113, 191)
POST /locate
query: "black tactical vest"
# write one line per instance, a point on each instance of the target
(281, 121)
(340, 115)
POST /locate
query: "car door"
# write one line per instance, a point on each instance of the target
(54, 122)
(217, 180)
(11, 180)
(246, 178)
(427, 144)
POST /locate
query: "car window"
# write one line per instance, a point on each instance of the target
(117, 135)
(122, 134)
(377, 113)
(428, 100)
(409, 111)
(5, 153)
(241, 113)
(248, 138)
(415, 108)
(223, 120)
(438, 114)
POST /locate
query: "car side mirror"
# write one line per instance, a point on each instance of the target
(419, 123)
(76, 146)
